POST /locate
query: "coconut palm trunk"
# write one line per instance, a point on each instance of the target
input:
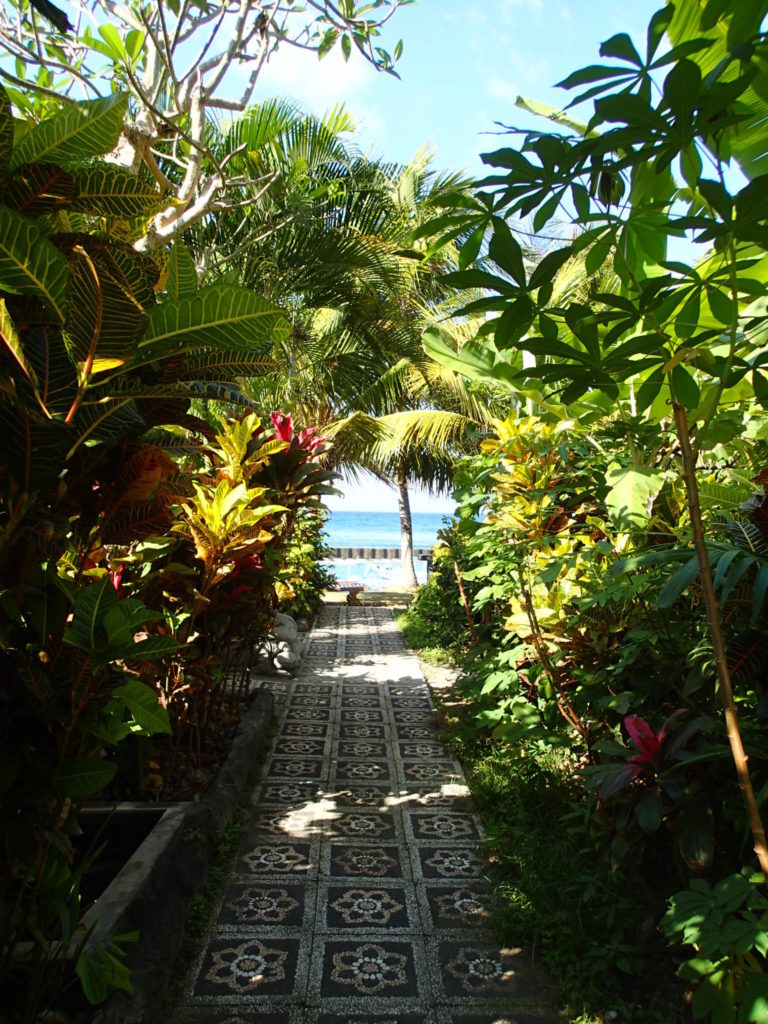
(408, 574)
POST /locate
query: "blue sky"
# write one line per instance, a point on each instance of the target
(463, 65)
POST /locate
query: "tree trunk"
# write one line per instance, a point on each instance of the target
(408, 575)
(740, 758)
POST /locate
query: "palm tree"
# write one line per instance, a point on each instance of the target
(329, 241)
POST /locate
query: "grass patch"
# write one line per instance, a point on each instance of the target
(429, 645)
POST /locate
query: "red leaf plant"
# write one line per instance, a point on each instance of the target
(283, 425)
(650, 747)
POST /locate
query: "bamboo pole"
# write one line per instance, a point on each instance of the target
(713, 620)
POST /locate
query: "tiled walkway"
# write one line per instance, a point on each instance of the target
(359, 894)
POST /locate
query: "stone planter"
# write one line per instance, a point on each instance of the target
(152, 892)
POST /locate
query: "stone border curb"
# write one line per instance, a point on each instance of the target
(153, 890)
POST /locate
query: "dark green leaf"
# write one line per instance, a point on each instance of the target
(505, 251)
(593, 73)
(656, 28)
(6, 132)
(681, 91)
(85, 776)
(144, 705)
(182, 275)
(106, 190)
(470, 249)
(78, 132)
(684, 387)
(648, 390)
(679, 582)
(649, 811)
(221, 316)
(35, 189)
(548, 267)
(30, 263)
(621, 46)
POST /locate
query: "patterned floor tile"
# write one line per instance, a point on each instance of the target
(359, 825)
(305, 730)
(358, 795)
(403, 716)
(364, 731)
(263, 903)
(285, 823)
(417, 732)
(503, 1016)
(375, 1018)
(358, 895)
(310, 700)
(366, 906)
(216, 1014)
(362, 716)
(457, 906)
(362, 771)
(381, 861)
(289, 793)
(308, 715)
(418, 750)
(276, 859)
(249, 966)
(484, 971)
(299, 746)
(295, 768)
(372, 749)
(429, 771)
(374, 969)
(450, 862)
(442, 827)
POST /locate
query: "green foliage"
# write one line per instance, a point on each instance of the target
(727, 924)
(435, 623)
(596, 561)
(302, 579)
(119, 528)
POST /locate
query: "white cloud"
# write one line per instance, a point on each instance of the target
(509, 7)
(500, 89)
(316, 84)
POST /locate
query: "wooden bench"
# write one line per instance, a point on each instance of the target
(352, 588)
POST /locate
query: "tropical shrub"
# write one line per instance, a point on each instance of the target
(622, 555)
(123, 516)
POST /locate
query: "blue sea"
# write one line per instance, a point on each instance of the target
(380, 529)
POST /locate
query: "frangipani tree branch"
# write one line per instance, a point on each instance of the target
(177, 64)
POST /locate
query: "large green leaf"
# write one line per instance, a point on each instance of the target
(10, 337)
(631, 494)
(219, 317)
(76, 133)
(107, 190)
(124, 620)
(30, 263)
(182, 275)
(143, 703)
(105, 319)
(91, 605)
(84, 776)
(6, 132)
(748, 141)
(36, 189)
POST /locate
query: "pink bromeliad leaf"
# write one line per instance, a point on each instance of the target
(283, 425)
(644, 738)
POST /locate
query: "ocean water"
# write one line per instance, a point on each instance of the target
(380, 529)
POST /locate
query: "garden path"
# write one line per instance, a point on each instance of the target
(359, 895)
